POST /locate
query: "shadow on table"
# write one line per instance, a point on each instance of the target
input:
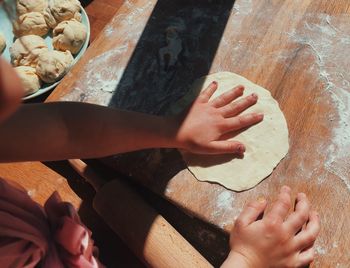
(177, 45)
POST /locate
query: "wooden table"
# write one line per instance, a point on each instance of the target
(299, 50)
(296, 49)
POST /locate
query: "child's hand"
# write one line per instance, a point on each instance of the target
(278, 239)
(202, 127)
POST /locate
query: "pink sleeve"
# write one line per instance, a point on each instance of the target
(53, 235)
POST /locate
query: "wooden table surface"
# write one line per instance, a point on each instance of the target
(296, 49)
(299, 50)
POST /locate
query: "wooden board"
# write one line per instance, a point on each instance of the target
(299, 50)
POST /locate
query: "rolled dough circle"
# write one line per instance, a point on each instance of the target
(266, 143)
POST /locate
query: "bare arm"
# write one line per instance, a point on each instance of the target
(64, 130)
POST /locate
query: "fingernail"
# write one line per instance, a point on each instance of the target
(215, 83)
(260, 116)
(254, 96)
(241, 148)
(261, 199)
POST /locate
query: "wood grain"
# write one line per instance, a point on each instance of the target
(280, 45)
(39, 181)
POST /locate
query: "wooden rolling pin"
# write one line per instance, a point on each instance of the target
(152, 239)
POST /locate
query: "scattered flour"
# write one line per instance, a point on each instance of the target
(130, 19)
(31, 193)
(328, 39)
(320, 250)
(243, 7)
(99, 82)
(335, 244)
(225, 199)
(223, 208)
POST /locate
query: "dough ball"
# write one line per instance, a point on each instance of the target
(29, 78)
(26, 49)
(52, 65)
(62, 10)
(2, 43)
(49, 18)
(30, 23)
(69, 35)
(25, 6)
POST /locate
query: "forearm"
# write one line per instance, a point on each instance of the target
(66, 130)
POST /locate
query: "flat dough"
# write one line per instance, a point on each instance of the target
(266, 143)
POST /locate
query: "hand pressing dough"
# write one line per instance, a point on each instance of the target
(30, 23)
(29, 79)
(62, 10)
(2, 43)
(52, 65)
(69, 35)
(266, 143)
(26, 6)
(26, 49)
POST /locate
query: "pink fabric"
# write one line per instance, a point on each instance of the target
(53, 236)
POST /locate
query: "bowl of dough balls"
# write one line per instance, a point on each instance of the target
(42, 39)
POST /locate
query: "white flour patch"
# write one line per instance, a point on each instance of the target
(99, 82)
(223, 208)
(328, 39)
(109, 31)
(243, 7)
(168, 190)
(31, 193)
(335, 245)
(225, 199)
(130, 21)
(320, 250)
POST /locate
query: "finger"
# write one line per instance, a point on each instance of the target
(235, 108)
(228, 97)
(225, 147)
(283, 204)
(307, 237)
(299, 217)
(206, 94)
(306, 257)
(250, 213)
(242, 121)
